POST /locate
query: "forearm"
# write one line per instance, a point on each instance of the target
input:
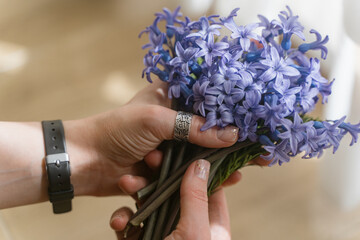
(23, 178)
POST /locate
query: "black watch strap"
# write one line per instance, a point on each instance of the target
(57, 166)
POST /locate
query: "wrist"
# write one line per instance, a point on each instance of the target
(81, 146)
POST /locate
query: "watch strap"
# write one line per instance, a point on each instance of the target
(57, 162)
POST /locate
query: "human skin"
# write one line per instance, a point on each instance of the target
(110, 153)
(201, 217)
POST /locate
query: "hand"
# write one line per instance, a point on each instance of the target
(116, 142)
(200, 217)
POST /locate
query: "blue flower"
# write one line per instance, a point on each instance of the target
(288, 97)
(205, 29)
(226, 92)
(177, 84)
(182, 30)
(295, 131)
(243, 33)
(252, 90)
(306, 99)
(325, 90)
(314, 143)
(271, 112)
(313, 75)
(153, 28)
(209, 49)
(318, 44)
(270, 30)
(277, 69)
(150, 63)
(262, 86)
(353, 129)
(220, 117)
(226, 77)
(201, 100)
(170, 19)
(277, 153)
(156, 41)
(229, 18)
(333, 133)
(250, 106)
(229, 60)
(289, 25)
(247, 72)
(298, 57)
(247, 129)
(183, 57)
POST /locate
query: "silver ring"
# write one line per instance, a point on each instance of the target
(182, 126)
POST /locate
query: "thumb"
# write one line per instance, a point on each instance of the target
(194, 214)
(162, 124)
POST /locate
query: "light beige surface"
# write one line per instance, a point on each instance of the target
(76, 58)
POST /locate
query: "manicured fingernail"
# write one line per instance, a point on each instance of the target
(202, 169)
(228, 134)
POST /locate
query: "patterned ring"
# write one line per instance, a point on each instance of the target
(182, 126)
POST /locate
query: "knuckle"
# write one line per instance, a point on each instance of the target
(155, 120)
(200, 195)
(154, 110)
(151, 115)
(151, 111)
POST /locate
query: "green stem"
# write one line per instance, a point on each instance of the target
(180, 157)
(142, 193)
(233, 162)
(149, 228)
(149, 189)
(160, 220)
(173, 183)
(165, 167)
(165, 206)
(172, 216)
(214, 167)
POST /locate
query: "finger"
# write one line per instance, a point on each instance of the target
(219, 216)
(130, 184)
(234, 178)
(161, 122)
(118, 222)
(214, 137)
(153, 159)
(194, 216)
(120, 218)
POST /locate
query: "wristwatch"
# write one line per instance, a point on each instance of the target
(60, 190)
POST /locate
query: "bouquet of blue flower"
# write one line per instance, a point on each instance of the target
(255, 79)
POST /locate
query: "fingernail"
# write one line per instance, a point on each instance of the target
(202, 169)
(113, 221)
(228, 134)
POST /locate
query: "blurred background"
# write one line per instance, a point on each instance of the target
(70, 59)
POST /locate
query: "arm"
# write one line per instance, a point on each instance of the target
(103, 149)
(23, 178)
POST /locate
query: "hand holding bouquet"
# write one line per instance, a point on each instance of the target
(253, 78)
